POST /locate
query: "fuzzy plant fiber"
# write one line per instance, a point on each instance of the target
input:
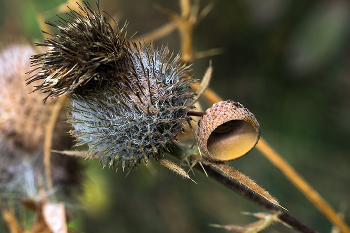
(23, 121)
(128, 101)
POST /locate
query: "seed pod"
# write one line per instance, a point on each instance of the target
(227, 131)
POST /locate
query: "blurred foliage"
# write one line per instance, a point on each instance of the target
(288, 62)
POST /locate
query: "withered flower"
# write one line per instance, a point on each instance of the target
(139, 117)
(23, 120)
(86, 53)
(127, 101)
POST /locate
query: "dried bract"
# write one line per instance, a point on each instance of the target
(86, 53)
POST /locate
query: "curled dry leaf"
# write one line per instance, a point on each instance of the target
(227, 131)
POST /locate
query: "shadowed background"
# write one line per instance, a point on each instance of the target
(287, 62)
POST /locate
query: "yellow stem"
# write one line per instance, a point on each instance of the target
(48, 139)
(302, 185)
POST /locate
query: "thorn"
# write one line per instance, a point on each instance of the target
(154, 148)
(203, 169)
(145, 160)
(192, 180)
(130, 168)
(111, 163)
(188, 163)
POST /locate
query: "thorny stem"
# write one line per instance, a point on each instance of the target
(285, 217)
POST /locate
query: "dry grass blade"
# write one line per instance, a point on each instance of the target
(210, 96)
(156, 34)
(81, 154)
(204, 84)
(208, 53)
(194, 12)
(204, 12)
(246, 181)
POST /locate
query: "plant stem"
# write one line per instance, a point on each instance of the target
(285, 217)
(198, 114)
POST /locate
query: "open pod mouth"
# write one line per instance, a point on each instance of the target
(227, 131)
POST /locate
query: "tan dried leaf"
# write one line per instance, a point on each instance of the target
(55, 217)
(267, 219)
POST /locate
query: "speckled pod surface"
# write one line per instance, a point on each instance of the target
(227, 131)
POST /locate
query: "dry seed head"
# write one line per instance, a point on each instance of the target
(87, 53)
(23, 120)
(127, 101)
(138, 117)
(22, 116)
(227, 131)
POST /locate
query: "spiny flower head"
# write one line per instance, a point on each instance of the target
(127, 101)
(139, 117)
(87, 51)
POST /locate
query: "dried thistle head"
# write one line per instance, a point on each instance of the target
(139, 117)
(87, 53)
(23, 121)
(22, 116)
(127, 101)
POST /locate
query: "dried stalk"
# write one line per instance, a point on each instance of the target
(156, 34)
(310, 193)
(289, 172)
(285, 217)
(48, 139)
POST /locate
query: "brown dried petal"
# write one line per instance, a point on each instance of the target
(227, 131)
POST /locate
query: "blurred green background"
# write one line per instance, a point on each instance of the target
(287, 61)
